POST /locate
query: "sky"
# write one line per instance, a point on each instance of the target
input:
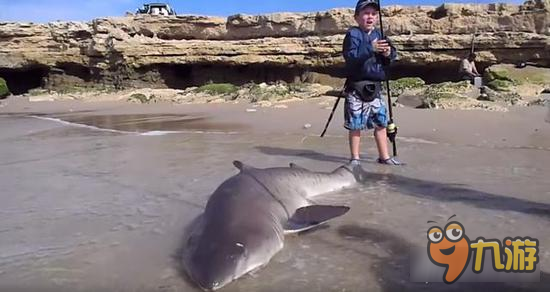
(40, 11)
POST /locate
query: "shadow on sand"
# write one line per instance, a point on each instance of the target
(305, 153)
(430, 189)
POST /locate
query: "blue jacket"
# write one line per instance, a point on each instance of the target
(362, 63)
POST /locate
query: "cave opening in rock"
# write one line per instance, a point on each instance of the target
(181, 76)
(21, 80)
(239, 75)
(76, 70)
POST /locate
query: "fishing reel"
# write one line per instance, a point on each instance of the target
(391, 131)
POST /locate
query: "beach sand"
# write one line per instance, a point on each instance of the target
(95, 196)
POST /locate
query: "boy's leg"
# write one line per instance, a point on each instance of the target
(354, 143)
(379, 121)
(380, 136)
(355, 117)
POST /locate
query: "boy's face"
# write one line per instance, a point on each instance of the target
(367, 18)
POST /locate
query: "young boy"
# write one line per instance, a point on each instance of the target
(366, 53)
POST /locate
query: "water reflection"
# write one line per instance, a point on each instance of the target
(148, 122)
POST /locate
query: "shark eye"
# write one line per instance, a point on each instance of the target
(454, 231)
(435, 234)
(239, 250)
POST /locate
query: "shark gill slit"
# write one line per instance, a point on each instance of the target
(272, 195)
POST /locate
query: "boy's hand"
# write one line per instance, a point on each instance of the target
(381, 47)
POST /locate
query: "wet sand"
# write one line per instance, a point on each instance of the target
(95, 196)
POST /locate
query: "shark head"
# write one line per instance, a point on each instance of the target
(222, 254)
(215, 264)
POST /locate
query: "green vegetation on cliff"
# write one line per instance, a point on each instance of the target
(434, 93)
(4, 90)
(218, 88)
(401, 85)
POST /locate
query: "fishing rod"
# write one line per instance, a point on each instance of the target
(331, 115)
(391, 129)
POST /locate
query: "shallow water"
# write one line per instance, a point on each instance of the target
(92, 204)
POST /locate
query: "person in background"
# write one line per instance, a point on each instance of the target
(468, 70)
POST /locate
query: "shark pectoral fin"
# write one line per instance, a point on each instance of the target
(296, 166)
(311, 216)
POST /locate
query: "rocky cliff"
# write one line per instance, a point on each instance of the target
(180, 51)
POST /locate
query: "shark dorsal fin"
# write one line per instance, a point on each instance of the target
(312, 216)
(241, 166)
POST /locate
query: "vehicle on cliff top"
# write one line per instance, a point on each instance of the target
(156, 9)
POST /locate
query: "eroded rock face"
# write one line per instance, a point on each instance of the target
(178, 51)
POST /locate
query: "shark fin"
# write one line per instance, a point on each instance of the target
(296, 166)
(312, 216)
(358, 172)
(241, 166)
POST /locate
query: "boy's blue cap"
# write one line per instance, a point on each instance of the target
(362, 4)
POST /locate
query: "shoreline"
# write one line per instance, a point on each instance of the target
(518, 127)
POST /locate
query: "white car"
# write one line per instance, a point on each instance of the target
(156, 9)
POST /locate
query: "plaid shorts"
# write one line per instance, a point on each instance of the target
(359, 115)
